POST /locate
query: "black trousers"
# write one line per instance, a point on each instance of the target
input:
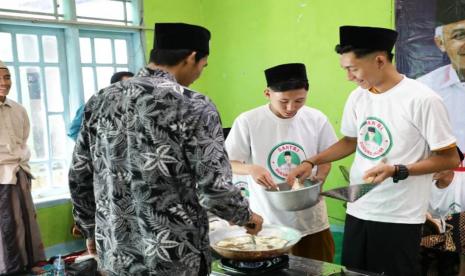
(389, 248)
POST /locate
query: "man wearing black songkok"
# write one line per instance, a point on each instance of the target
(267, 142)
(149, 159)
(413, 139)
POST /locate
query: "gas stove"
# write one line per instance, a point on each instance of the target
(282, 265)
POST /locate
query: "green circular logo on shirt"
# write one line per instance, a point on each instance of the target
(284, 157)
(374, 139)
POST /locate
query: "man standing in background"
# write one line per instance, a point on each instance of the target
(21, 245)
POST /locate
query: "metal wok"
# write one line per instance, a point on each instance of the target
(291, 235)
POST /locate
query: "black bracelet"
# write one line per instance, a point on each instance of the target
(309, 162)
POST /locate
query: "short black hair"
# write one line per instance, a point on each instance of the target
(173, 57)
(118, 76)
(289, 85)
(359, 53)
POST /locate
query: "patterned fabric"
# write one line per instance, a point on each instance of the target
(21, 245)
(149, 157)
(452, 240)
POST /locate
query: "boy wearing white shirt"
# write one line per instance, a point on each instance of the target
(383, 228)
(266, 142)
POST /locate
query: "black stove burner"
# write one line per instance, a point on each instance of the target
(255, 267)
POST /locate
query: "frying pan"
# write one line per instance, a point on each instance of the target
(283, 232)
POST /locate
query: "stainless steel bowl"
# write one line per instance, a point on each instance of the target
(293, 200)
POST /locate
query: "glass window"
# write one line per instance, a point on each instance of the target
(6, 54)
(59, 173)
(86, 49)
(103, 76)
(92, 9)
(57, 136)
(45, 6)
(41, 175)
(49, 44)
(33, 101)
(111, 51)
(28, 47)
(121, 51)
(103, 50)
(53, 88)
(88, 82)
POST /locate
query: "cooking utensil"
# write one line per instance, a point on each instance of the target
(286, 233)
(349, 193)
(287, 199)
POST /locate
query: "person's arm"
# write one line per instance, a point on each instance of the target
(238, 146)
(440, 160)
(81, 185)
(261, 175)
(342, 148)
(321, 173)
(209, 161)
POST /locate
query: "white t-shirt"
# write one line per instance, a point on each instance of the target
(260, 137)
(406, 123)
(446, 83)
(448, 200)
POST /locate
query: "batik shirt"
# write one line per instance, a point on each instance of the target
(149, 158)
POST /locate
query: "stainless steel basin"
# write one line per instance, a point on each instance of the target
(293, 200)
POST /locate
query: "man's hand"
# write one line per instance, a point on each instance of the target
(302, 172)
(262, 177)
(318, 178)
(90, 244)
(379, 173)
(254, 225)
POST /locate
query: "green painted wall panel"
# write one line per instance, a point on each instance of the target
(55, 224)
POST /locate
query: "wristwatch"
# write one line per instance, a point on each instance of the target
(400, 173)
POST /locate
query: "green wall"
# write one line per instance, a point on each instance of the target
(55, 224)
(249, 36)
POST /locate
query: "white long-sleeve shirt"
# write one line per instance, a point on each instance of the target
(14, 132)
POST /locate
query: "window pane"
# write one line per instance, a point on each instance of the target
(129, 11)
(121, 51)
(28, 49)
(88, 82)
(86, 50)
(6, 54)
(13, 90)
(119, 69)
(103, 50)
(59, 173)
(19, 14)
(57, 136)
(54, 93)
(49, 44)
(94, 8)
(103, 76)
(41, 175)
(28, 5)
(32, 100)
